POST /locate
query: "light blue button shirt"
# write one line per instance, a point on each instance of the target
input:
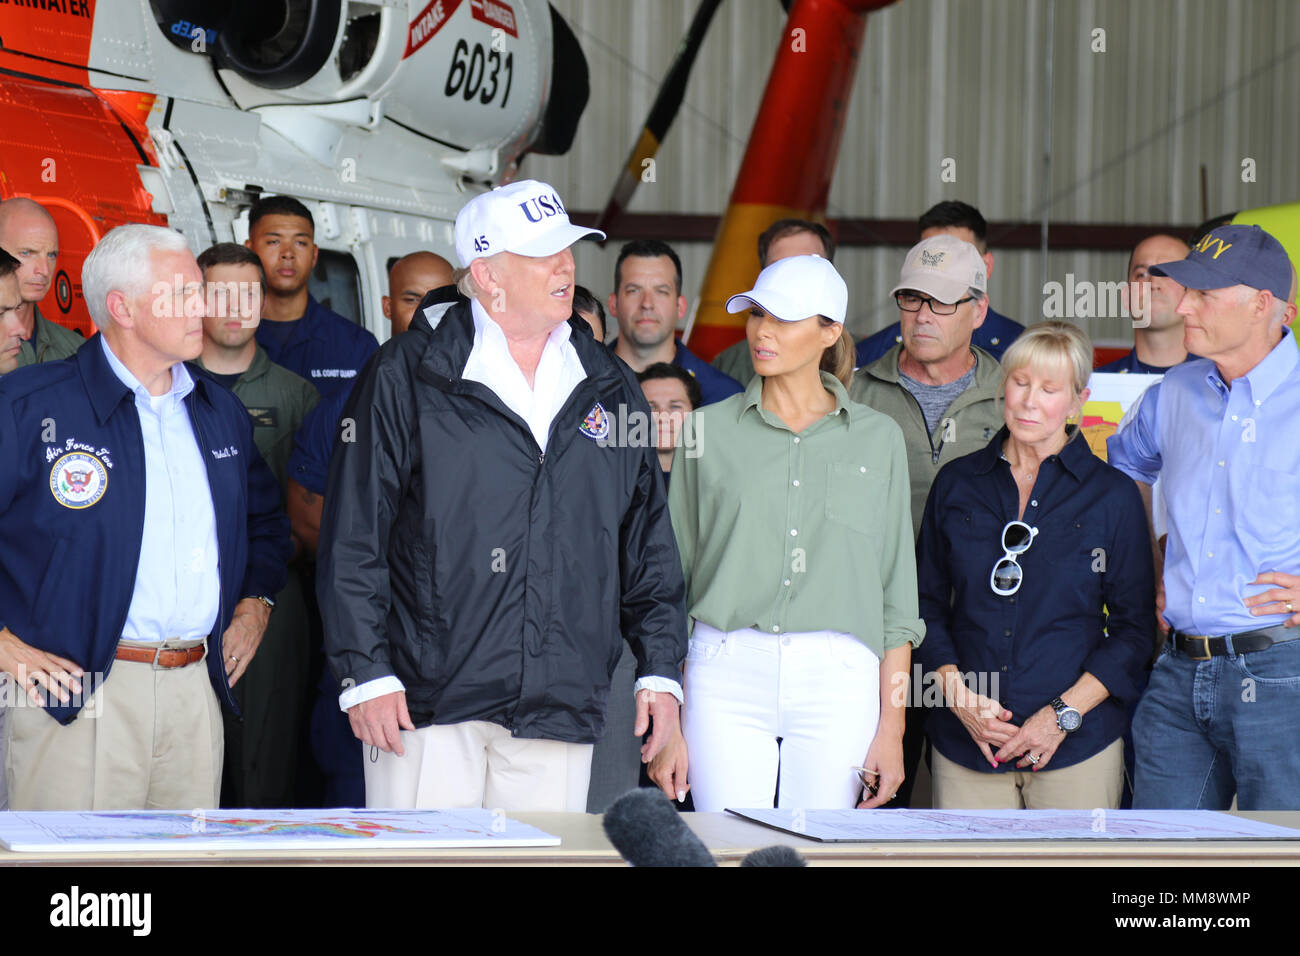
(177, 587)
(1230, 463)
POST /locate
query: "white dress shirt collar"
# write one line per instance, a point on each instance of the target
(182, 381)
(558, 373)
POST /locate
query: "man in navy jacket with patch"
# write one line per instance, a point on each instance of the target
(142, 536)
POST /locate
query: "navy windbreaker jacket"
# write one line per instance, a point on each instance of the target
(67, 570)
(496, 582)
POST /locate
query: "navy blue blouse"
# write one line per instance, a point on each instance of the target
(1086, 602)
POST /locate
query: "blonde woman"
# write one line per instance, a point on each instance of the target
(1035, 578)
(795, 535)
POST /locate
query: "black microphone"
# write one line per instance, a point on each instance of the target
(774, 856)
(647, 831)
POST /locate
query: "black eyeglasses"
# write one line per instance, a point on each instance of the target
(1006, 575)
(912, 302)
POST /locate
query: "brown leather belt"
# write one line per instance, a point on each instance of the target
(162, 656)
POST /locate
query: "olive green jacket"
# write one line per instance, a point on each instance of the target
(277, 400)
(49, 342)
(970, 422)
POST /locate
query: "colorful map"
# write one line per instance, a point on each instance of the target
(264, 829)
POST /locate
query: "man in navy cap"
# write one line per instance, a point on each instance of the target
(1221, 716)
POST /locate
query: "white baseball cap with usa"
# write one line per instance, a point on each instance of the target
(526, 218)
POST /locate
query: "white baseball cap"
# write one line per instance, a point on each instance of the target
(794, 288)
(526, 218)
(943, 267)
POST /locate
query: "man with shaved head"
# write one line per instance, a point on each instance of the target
(409, 278)
(27, 231)
(1152, 301)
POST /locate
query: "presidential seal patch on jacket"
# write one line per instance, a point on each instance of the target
(78, 480)
(596, 425)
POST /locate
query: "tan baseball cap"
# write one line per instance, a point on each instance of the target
(943, 267)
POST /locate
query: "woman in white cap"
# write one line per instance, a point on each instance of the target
(794, 527)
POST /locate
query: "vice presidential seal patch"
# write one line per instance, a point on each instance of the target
(78, 480)
(596, 425)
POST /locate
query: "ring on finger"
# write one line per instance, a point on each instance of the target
(1032, 759)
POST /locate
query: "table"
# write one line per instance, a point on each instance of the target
(730, 838)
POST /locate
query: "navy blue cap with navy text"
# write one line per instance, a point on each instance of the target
(1233, 255)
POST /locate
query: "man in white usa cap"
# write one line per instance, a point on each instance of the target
(486, 548)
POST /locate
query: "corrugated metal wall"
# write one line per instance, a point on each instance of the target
(1180, 83)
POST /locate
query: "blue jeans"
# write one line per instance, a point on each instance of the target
(1206, 730)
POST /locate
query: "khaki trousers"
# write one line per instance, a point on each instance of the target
(145, 740)
(1087, 785)
(478, 764)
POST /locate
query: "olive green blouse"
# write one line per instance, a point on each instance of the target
(812, 531)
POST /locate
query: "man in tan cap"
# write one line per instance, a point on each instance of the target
(940, 389)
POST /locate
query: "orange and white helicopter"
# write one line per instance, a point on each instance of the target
(380, 115)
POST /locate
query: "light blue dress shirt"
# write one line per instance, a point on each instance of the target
(177, 588)
(1230, 463)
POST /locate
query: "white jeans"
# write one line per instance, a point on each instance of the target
(803, 707)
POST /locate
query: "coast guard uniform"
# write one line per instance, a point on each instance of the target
(322, 347)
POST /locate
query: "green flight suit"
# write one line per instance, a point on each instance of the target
(262, 748)
(49, 342)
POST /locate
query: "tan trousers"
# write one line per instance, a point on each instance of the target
(1087, 785)
(145, 740)
(478, 764)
